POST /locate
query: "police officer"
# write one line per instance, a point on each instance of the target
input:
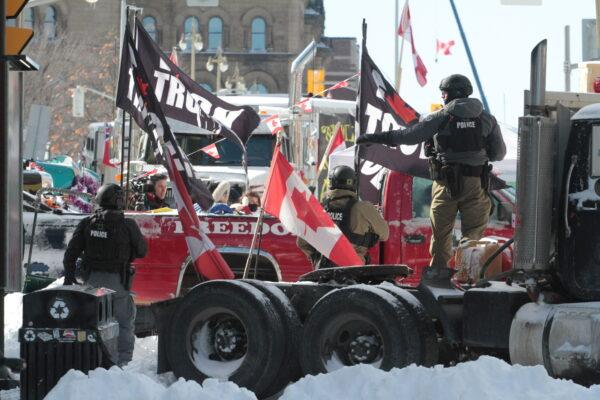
(461, 138)
(358, 220)
(109, 243)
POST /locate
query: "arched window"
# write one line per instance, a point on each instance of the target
(150, 26)
(207, 86)
(258, 88)
(259, 28)
(50, 22)
(28, 18)
(215, 33)
(191, 24)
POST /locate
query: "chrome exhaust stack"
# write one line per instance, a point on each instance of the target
(296, 74)
(535, 174)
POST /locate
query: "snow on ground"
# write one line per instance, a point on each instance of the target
(487, 378)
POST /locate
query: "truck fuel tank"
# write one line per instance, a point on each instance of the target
(564, 338)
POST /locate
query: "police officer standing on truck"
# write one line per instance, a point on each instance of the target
(358, 220)
(109, 243)
(460, 140)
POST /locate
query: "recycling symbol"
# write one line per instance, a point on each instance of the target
(59, 309)
(29, 336)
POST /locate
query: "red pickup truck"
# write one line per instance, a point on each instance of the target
(165, 272)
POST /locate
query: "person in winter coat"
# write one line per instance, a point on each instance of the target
(358, 220)
(109, 243)
(461, 139)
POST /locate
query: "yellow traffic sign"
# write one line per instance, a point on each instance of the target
(14, 7)
(16, 40)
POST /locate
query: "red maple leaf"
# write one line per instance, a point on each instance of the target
(142, 85)
(307, 210)
(403, 110)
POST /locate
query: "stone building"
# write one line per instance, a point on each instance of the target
(259, 38)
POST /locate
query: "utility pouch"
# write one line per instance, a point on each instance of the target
(452, 177)
(127, 278)
(485, 177)
(435, 169)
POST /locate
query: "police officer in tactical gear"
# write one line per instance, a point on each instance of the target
(358, 220)
(460, 140)
(109, 243)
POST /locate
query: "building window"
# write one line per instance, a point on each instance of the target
(28, 18)
(258, 88)
(150, 26)
(191, 24)
(50, 22)
(215, 33)
(259, 28)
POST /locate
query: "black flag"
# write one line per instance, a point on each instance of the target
(380, 109)
(183, 99)
(148, 114)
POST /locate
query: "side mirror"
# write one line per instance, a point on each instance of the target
(505, 211)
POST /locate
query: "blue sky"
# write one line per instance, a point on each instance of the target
(501, 39)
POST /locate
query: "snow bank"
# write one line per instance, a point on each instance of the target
(13, 315)
(487, 378)
(116, 384)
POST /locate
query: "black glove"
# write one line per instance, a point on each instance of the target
(70, 279)
(373, 138)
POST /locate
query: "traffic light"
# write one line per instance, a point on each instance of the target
(315, 81)
(16, 39)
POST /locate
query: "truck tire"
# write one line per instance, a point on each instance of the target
(290, 370)
(229, 330)
(358, 324)
(427, 336)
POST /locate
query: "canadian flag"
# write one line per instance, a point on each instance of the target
(405, 30)
(211, 150)
(107, 139)
(274, 124)
(336, 143)
(339, 85)
(305, 105)
(207, 259)
(288, 198)
(443, 48)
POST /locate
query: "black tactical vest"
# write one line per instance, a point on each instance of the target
(107, 247)
(341, 216)
(460, 135)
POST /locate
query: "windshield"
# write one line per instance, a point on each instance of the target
(260, 150)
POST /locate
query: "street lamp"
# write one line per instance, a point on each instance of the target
(220, 61)
(195, 40)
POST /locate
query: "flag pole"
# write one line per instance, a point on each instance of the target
(357, 123)
(259, 221)
(396, 64)
(399, 60)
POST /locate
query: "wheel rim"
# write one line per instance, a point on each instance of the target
(217, 342)
(350, 339)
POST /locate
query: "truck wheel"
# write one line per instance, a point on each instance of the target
(359, 324)
(290, 370)
(426, 335)
(227, 330)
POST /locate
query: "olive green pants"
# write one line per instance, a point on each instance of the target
(474, 206)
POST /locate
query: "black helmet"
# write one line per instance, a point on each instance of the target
(457, 86)
(342, 177)
(110, 196)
